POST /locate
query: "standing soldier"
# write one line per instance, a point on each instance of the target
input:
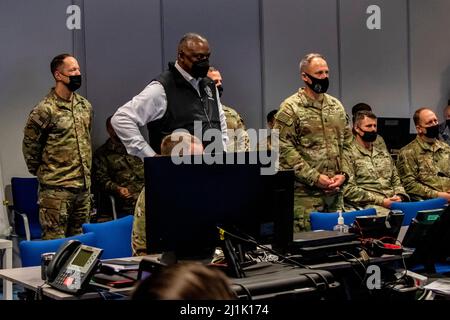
(238, 139)
(313, 129)
(57, 149)
(117, 173)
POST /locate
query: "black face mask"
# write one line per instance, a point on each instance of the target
(200, 68)
(448, 123)
(432, 132)
(369, 136)
(74, 83)
(318, 85)
(220, 89)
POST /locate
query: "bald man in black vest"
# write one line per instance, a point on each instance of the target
(182, 97)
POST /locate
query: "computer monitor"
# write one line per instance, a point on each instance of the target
(395, 132)
(386, 228)
(429, 235)
(185, 203)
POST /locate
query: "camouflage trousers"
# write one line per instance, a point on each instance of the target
(62, 211)
(139, 235)
(305, 204)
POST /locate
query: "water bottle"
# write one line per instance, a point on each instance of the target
(341, 227)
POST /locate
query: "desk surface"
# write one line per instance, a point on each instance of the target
(30, 278)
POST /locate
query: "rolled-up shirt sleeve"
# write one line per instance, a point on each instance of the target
(149, 105)
(223, 123)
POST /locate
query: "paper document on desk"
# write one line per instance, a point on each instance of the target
(439, 286)
(121, 265)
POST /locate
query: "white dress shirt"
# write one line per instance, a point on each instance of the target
(150, 105)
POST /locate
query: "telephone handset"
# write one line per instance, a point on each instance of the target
(73, 266)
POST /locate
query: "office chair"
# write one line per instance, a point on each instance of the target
(106, 205)
(25, 207)
(30, 251)
(327, 220)
(114, 237)
(410, 208)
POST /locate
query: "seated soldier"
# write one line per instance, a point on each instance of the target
(373, 178)
(117, 173)
(365, 107)
(444, 127)
(189, 145)
(424, 164)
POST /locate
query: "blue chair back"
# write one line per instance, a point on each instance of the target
(114, 237)
(25, 199)
(30, 251)
(410, 208)
(327, 220)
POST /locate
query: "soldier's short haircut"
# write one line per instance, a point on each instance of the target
(360, 115)
(58, 61)
(271, 115)
(447, 108)
(416, 116)
(191, 36)
(186, 139)
(108, 122)
(212, 69)
(304, 63)
(359, 107)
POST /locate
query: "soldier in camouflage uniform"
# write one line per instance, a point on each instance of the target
(138, 236)
(238, 139)
(117, 173)
(424, 164)
(313, 129)
(57, 149)
(444, 127)
(379, 142)
(373, 178)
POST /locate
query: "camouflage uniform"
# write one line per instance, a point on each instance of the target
(113, 167)
(424, 168)
(139, 236)
(312, 137)
(372, 177)
(57, 149)
(444, 133)
(238, 139)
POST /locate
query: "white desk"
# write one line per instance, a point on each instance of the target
(30, 278)
(6, 245)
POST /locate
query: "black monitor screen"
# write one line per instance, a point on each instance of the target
(186, 202)
(429, 235)
(395, 132)
(379, 227)
(421, 226)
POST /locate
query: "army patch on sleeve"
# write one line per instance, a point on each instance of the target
(284, 117)
(40, 120)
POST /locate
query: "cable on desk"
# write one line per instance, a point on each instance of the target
(251, 240)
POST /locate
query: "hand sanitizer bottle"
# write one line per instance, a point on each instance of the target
(341, 227)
